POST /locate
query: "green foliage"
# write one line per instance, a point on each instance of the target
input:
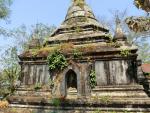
(143, 4)
(93, 82)
(97, 111)
(56, 102)
(138, 24)
(51, 83)
(10, 72)
(42, 31)
(125, 111)
(56, 61)
(79, 3)
(4, 8)
(135, 24)
(125, 52)
(113, 112)
(139, 3)
(78, 29)
(110, 37)
(38, 86)
(24, 34)
(77, 53)
(144, 51)
(34, 52)
(147, 74)
(113, 44)
(105, 99)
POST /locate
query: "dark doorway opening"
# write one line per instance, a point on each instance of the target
(71, 79)
(71, 85)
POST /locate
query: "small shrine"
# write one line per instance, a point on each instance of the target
(83, 66)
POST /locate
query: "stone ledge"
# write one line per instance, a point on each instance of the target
(85, 109)
(124, 91)
(83, 102)
(119, 88)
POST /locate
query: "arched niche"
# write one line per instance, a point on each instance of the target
(71, 84)
(71, 79)
(72, 72)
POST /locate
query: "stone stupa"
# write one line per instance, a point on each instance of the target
(113, 61)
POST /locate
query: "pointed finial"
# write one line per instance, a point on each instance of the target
(118, 26)
(78, 1)
(118, 21)
(119, 34)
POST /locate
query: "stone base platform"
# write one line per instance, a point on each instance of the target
(106, 99)
(126, 105)
(32, 91)
(128, 91)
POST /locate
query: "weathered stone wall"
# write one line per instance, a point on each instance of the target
(82, 71)
(35, 73)
(115, 72)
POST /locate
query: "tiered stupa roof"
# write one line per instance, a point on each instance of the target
(81, 30)
(80, 25)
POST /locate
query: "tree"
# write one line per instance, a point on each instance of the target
(4, 13)
(23, 34)
(9, 59)
(144, 51)
(136, 38)
(143, 4)
(10, 73)
(4, 8)
(140, 24)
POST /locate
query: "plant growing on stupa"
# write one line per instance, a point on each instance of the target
(56, 102)
(38, 86)
(77, 53)
(79, 3)
(93, 82)
(56, 61)
(125, 52)
(51, 83)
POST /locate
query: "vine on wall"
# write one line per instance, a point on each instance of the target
(93, 82)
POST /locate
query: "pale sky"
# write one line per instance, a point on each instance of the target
(53, 12)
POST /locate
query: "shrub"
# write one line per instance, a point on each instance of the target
(77, 53)
(125, 52)
(93, 82)
(56, 61)
(56, 102)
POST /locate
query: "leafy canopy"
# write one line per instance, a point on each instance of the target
(4, 8)
(143, 4)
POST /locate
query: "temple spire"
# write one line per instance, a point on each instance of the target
(78, 2)
(119, 34)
